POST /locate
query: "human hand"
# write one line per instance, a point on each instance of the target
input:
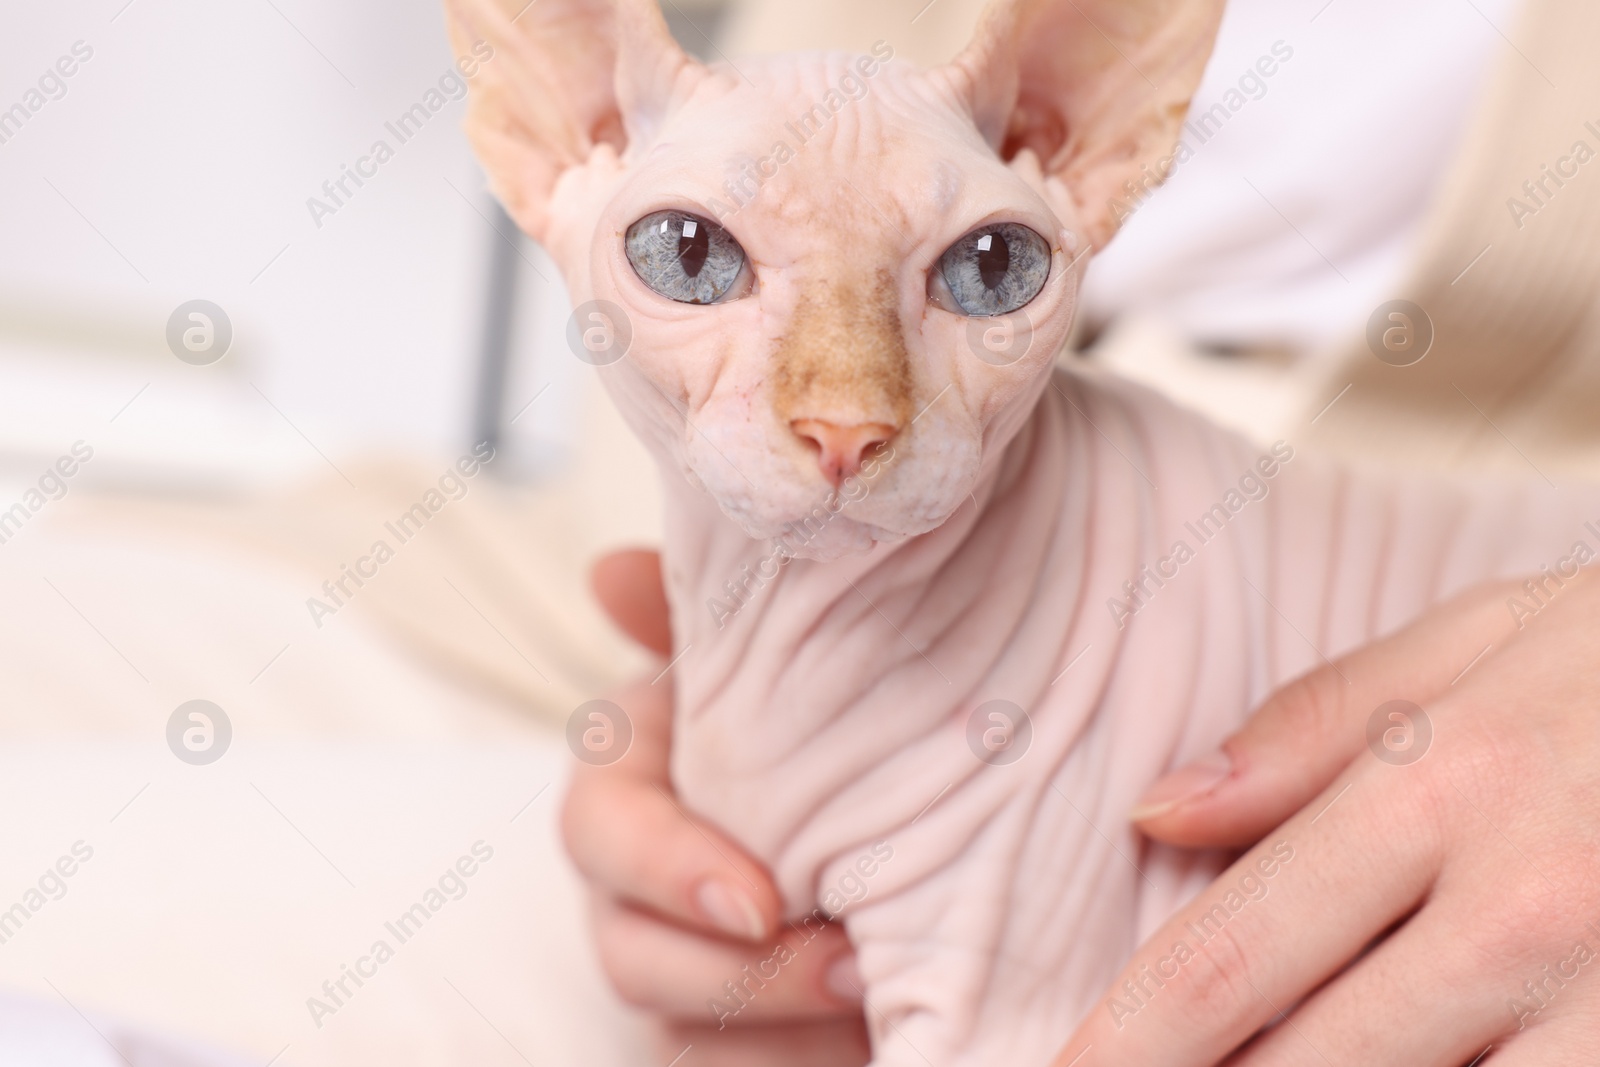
(1422, 904)
(679, 909)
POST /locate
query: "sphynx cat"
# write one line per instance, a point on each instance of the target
(943, 608)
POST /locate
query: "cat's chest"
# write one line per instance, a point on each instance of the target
(945, 744)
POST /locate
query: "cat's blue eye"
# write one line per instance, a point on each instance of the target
(996, 269)
(684, 257)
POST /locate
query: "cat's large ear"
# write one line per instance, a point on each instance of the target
(554, 79)
(1098, 89)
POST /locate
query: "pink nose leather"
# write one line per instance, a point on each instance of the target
(840, 448)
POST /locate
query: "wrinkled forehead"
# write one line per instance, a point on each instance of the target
(819, 148)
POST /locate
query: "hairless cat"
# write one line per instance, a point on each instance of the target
(943, 607)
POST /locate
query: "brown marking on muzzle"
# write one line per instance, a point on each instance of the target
(843, 359)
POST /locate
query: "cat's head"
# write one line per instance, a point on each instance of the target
(823, 277)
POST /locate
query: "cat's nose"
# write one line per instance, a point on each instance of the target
(841, 449)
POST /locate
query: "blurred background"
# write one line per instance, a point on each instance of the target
(178, 165)
(379, 336)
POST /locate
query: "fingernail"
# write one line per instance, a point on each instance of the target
(843, 978)
(731, 910)
(1189, 782)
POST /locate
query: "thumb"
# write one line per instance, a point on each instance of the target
(628, 586)
(1309, 731)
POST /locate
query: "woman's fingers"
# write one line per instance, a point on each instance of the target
(628, 586)
(1562, 1043)
(1287, 915)
(1420, 998)
(1491, 823)
(796, 974)
(634, 842)
(1309, 731)
(629, 836)
(836, 1043)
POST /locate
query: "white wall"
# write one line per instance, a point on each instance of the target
(191, 141)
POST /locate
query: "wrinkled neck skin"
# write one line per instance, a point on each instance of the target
(781, 656)
(778, 655)
(824, 721)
